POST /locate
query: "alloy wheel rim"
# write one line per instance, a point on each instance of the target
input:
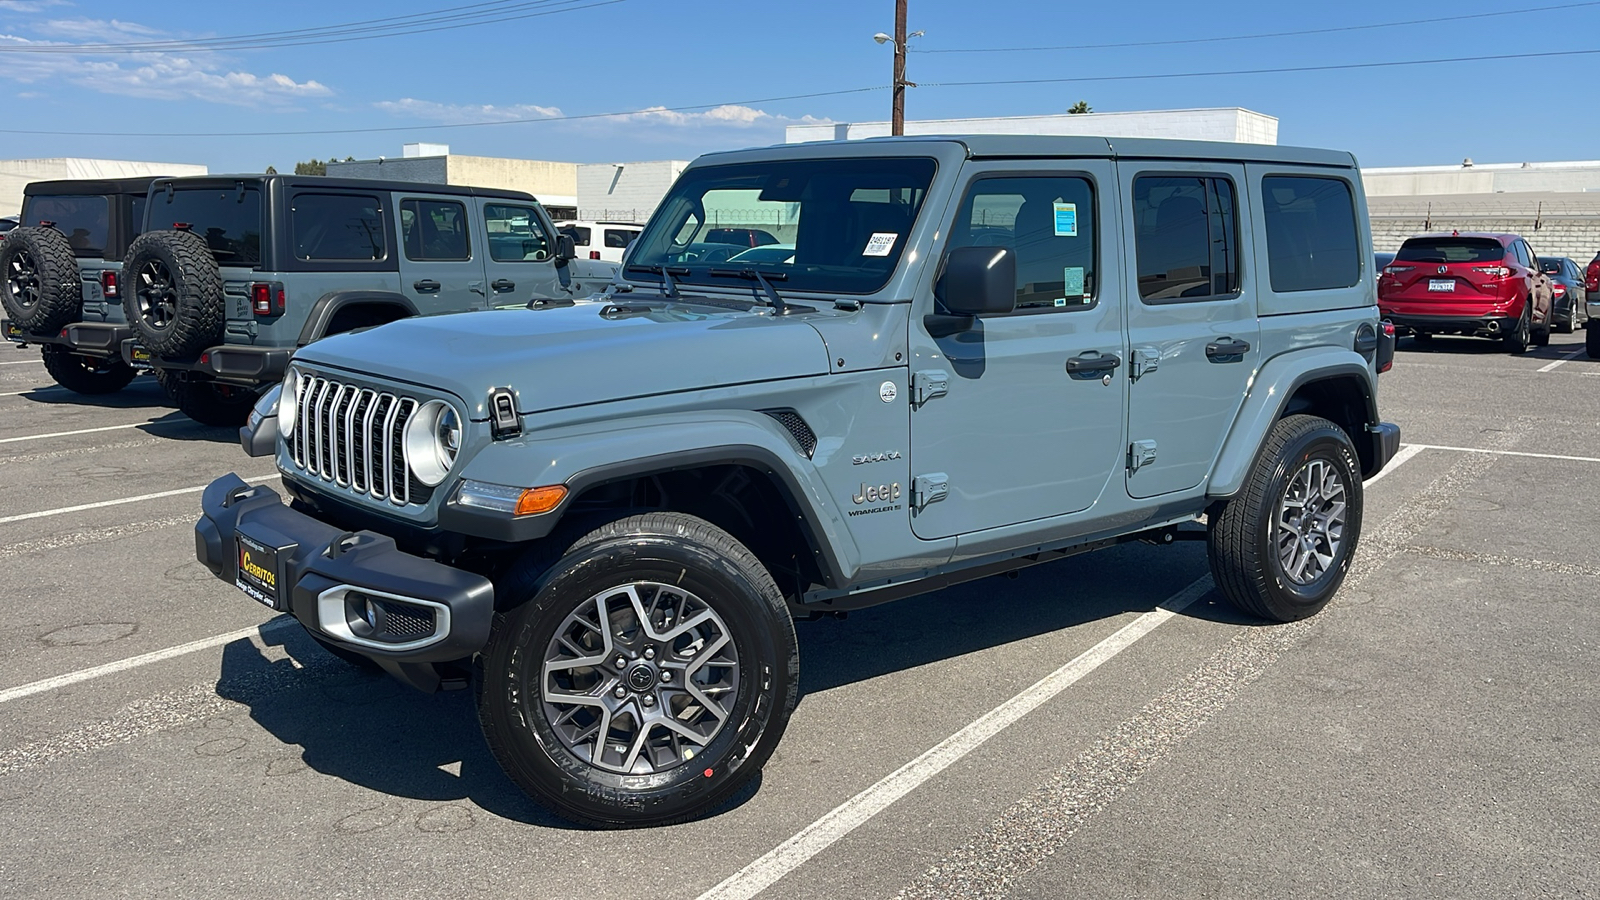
(640, 678)
(158, 298)
(22, 279)
(1311, 520)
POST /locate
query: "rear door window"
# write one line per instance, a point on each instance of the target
(1186, 237)
(338, 227)
(84, 219)
(619, 238)
(435, 230)
(578, 233)
(1312, 241)
(229, 218)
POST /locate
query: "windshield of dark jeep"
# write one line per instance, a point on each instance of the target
(83, 218)
(227, 217)
(846, 222)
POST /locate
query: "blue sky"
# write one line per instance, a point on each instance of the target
(638, 54)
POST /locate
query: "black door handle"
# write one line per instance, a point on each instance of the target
(1087, 364)
(426, 286)
(503, 285)
(1227, 350)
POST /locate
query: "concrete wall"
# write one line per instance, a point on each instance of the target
(625, 192)
(1222, 124)
(16, 174)
(1554, 224)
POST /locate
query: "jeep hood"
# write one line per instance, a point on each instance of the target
(571, 356)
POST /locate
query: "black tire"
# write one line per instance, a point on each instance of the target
(86, 374)
(214, 403)
(1520, 337)
(1422, 337)
(1243, 535)
(1568, 324)
(169, 382)
(172, 293)
(1591, 339)
(664, 556)
(39, 284)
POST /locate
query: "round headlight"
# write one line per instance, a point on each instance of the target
(289, 402)
(433, 437)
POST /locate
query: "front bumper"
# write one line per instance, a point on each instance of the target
(233, 363)
(353, 589)
(103, 339)
(1385, 438)
(1482, 326)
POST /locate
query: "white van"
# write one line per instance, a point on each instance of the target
(600, 240)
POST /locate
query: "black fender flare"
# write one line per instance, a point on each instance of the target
(323, 311)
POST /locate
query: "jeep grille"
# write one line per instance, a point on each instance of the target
(354, 437)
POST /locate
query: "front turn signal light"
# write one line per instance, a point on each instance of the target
(540, 500)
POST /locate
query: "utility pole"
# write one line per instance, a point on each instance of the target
(898, 121)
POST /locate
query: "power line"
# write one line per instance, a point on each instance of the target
(390, 128)
(490, 13)
(1273, 71)
(1271, 34)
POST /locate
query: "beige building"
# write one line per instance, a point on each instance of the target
(625, 192)
(555, 184)
(16, 174)
(1229, 123)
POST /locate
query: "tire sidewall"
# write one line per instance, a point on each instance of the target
(1330, 443)
(198, 306)
(512, 673)
(60, 287)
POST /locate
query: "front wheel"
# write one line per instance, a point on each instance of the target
(641, 678)
(1280, 547)
(86, 374)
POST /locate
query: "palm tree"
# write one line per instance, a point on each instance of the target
(1079, 108)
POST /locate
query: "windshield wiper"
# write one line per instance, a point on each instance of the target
(765, 280)
(669, 277)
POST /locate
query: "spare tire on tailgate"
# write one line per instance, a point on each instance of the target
(172, 293)
(39, 283)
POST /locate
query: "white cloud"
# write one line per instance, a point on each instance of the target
(29, 6)
(157, 76)
(93, 29)
(456, 114)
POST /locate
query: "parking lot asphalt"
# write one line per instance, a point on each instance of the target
(1103, 726)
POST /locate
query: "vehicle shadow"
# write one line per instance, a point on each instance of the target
(1455, 345)
(179, 427)
(142, 392)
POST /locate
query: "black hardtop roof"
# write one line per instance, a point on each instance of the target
(324, 181)
(89, 186)
(1040, 146)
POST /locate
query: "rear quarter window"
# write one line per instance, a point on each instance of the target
(1312, 240)
(338, 227)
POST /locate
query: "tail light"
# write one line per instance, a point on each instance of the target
(1592, 277)
(1385, 357)
(1559, 289)
(594, 254)
(1493, 271)
(1396, 270)
(267, 299)
(108, 284)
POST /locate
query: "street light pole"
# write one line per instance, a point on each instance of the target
(898, 120)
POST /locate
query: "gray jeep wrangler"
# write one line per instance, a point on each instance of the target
(234, 272)
(62, 273)
(983, 353)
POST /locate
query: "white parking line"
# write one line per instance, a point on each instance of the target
(1553, 366)
(23, 362)
(118, 502)
(851, 814)
(132, 662)
(1593, 459)
(40, 437)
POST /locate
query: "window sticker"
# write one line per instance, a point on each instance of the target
(880, 243)
(1066, 220)
(1073, 276)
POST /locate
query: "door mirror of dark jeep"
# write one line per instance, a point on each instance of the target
(979, 281)
(565, 248)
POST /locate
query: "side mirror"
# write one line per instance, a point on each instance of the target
(565, 248)
(979, 281)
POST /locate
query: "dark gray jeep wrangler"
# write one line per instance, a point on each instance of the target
(234, 272)
(981, 353)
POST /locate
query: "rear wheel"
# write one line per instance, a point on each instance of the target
(641, 678)
(1521, 334)
(214, 403)
(1280, 547)
(86, 374)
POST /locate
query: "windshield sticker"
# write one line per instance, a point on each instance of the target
(880, 243)
(1073, 276)
(1066, 220)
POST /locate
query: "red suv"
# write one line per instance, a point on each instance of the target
(1487, 285)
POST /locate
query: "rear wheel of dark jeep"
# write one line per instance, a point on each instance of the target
(1280, 548)
(214, 403)
(86, 374)
(642, 677)
(39, 284)
(172, 293)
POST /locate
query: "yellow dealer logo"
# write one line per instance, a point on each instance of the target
(248, 566)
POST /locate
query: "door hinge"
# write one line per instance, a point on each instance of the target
(1140, 454)
(929, 488)
(928, 384)
(1145, 361)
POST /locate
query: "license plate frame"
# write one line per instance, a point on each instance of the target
(1441, 285)
(140, 353)
(259, 572)
(14, 331)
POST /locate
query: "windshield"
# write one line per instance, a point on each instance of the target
(82, 218)
(1450, 250)
(846, 221)
(227, 217)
